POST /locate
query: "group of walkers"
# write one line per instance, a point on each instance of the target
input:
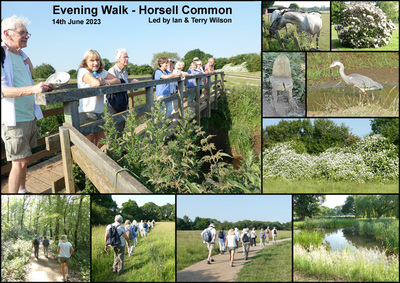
(117, 234)
(64, 250)
(19, 111)
(230, 242)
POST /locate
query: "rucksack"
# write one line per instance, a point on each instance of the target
(118, 100)
(145, 225)
(132, 232)
(135, 228)
(245, 238)
(153, 76)
(275, 231)
(206, 235)
(35, 242)
(46, 242)
(262, 234)
(113, 238)
(220, 234)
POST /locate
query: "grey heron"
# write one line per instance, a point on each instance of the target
(359, 81)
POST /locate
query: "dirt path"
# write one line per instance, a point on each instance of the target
(219, 270)
(46, 269)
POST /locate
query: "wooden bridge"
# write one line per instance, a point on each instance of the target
(56, 174)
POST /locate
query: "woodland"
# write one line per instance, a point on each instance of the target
(24, 217)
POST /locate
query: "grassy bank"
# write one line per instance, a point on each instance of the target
(265, 264)
(190, 247)
(153, 258)
(345, 265)
(324, 186)
(14, 256)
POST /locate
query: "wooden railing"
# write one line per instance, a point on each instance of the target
(202, 105)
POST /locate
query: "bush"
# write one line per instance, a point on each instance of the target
(364, 25)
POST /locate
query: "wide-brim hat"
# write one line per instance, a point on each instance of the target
(212, 225)
(196, 58)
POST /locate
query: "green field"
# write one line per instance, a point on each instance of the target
(153, 258)
(190, 247)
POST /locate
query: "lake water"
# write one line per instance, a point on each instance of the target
(348, 238)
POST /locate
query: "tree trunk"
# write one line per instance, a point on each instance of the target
(77, 223)
(51, 221)
(8, 209)
(57, 229)
(23, 211)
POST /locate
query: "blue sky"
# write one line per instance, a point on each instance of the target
(159, 200)
(63, 46)
(234, 208)
(358, 126)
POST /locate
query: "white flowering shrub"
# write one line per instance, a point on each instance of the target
(372, 158)
(235, 69)
(364, 25)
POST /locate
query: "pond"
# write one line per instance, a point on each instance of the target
(341, 238)
(327, 98)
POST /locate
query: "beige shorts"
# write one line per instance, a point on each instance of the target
(19, 140)
(88, 117)
(210, 246)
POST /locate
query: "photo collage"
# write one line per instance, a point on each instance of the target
(200, 141)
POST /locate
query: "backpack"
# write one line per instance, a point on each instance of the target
(154, 73)
(46, 242)
(220, 234)
(206, 235)
(145, 225)
(35, 242)
(135, 228)
(113, 238)
(275, 231)
(132, 232)
(245, 238)
(262, 234)
(118, 100)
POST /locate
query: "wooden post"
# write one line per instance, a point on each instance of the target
(208, 96)
(67, 160)
(278, 37)
(216, 93)
(71, 114)
(198, 80)
(181, 86)
(149, 98)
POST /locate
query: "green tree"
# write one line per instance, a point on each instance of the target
(73, 73)
(220, 62)
(143, 70)
(336, 9)
(266, 5)
(43, 71)
(188, 58)
(348, 207)
(130, 210)
(151, 211)
(170, 55)
(390, 8)
(130, 68)
(294, 6)
(107, 64)
(253, 64)
(387, 127)
(307, 205)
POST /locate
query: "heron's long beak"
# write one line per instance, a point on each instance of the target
(328, 67)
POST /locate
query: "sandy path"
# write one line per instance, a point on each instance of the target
(219, 270)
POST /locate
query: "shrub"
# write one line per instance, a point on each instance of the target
(364, 25)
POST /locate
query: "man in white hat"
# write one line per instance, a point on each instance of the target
(211, 244)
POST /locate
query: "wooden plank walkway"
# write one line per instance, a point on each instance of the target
(40, 177)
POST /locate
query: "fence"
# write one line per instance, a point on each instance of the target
(82, 151)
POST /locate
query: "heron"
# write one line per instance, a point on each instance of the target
(361, 82)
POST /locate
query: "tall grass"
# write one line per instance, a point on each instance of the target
(190, 247)
(265, 264)
(346, 265)
(14, 256)
(307, 238)
(153, 258)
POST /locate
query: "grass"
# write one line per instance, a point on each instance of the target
(324, 186)
(153, 258)
(14, 256)
(393, 44)
(307, 238)
(190, 247)
(265, 264)
(345, 265)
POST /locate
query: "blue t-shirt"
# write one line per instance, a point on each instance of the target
(223, 239)
(192, 82)
(162, 90)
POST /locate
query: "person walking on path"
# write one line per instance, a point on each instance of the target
(267, 232)
(221, 240)
(115, 234)
(35, 244)
(237, 234)
(274, 234)
(46, 244)
(253, 235)
(231, 243)
(262, 238)
(65, 251)
(212, 234)
(130, 230)
(245, 239)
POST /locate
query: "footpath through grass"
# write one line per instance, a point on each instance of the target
(191, 249)
(153, 258)
(271, 264)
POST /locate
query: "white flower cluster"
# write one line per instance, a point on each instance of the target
(364, 25)
(372, 158)
(235, 69)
